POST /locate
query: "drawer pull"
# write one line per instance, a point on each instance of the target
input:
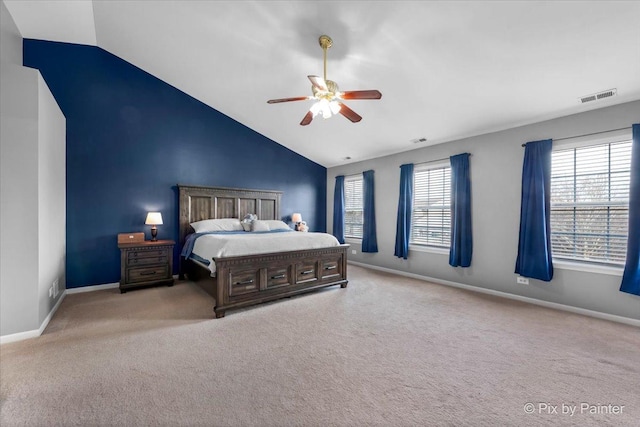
(330, 267)
(246, 282)
(307, 272)
(148, 273)
(278, 276)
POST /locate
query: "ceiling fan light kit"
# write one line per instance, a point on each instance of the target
(327, 94)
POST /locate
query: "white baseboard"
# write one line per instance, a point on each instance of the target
(37, 332)
(92, 288)
(547, 304)
(5, 339)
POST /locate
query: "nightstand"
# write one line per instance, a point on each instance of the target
(146, 263)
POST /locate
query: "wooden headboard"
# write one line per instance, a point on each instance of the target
(198, 203)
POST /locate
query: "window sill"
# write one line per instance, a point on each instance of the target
(429, 249)
(588, 268)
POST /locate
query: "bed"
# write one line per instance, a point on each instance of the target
(245, 280)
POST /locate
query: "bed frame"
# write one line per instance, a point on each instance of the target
(252, 279)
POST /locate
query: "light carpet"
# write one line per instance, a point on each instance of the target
(386, 351)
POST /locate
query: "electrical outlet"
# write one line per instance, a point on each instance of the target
(50, 292)
(353, 251)
(522, 280)
(56, 288)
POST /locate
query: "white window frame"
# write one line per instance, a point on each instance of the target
(432, 247)
(577, 143)
(347, 207)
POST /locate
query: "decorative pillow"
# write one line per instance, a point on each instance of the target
(276, 224)
(223, 224)
(258, 225)
(248, 219)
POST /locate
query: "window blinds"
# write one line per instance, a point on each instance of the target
(431, 217)
(590, 202)
(353, 203)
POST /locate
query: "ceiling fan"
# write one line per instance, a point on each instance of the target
(328, 96)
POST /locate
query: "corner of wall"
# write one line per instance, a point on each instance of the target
(51, 200)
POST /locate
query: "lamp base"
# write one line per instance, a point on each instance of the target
(154, 234)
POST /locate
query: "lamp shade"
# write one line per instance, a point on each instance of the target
(296, 217)
(154, 218)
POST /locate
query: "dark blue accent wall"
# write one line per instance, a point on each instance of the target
(132, 137)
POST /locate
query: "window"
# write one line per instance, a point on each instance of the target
(590, 202)
(353, 212)
(431, 214)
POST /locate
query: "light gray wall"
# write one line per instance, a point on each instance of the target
(22, 101)
(51, 198)
(496, 173)
(19, 185)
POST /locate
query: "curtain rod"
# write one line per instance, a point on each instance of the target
(440, 160)
(588, 134)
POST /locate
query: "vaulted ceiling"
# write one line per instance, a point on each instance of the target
(447, 70)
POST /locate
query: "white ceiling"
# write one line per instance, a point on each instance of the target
(446, 70)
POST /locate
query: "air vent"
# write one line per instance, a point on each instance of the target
(588, 98)
(606, 94)
(597, 96)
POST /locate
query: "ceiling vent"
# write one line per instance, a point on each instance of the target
(597, 96)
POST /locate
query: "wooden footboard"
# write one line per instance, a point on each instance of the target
(247, 280)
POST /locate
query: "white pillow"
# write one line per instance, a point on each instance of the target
(223, 224)
(258, 225)
(276, 224)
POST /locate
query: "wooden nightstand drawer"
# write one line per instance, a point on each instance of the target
(155, 253)
(135, 262)
(158, 272)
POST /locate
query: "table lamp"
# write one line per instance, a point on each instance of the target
(153, 219)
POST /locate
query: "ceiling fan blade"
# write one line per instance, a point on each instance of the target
(361, 94)
(307, 118)
(318, 82)
(297, 98)
(349, 113)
